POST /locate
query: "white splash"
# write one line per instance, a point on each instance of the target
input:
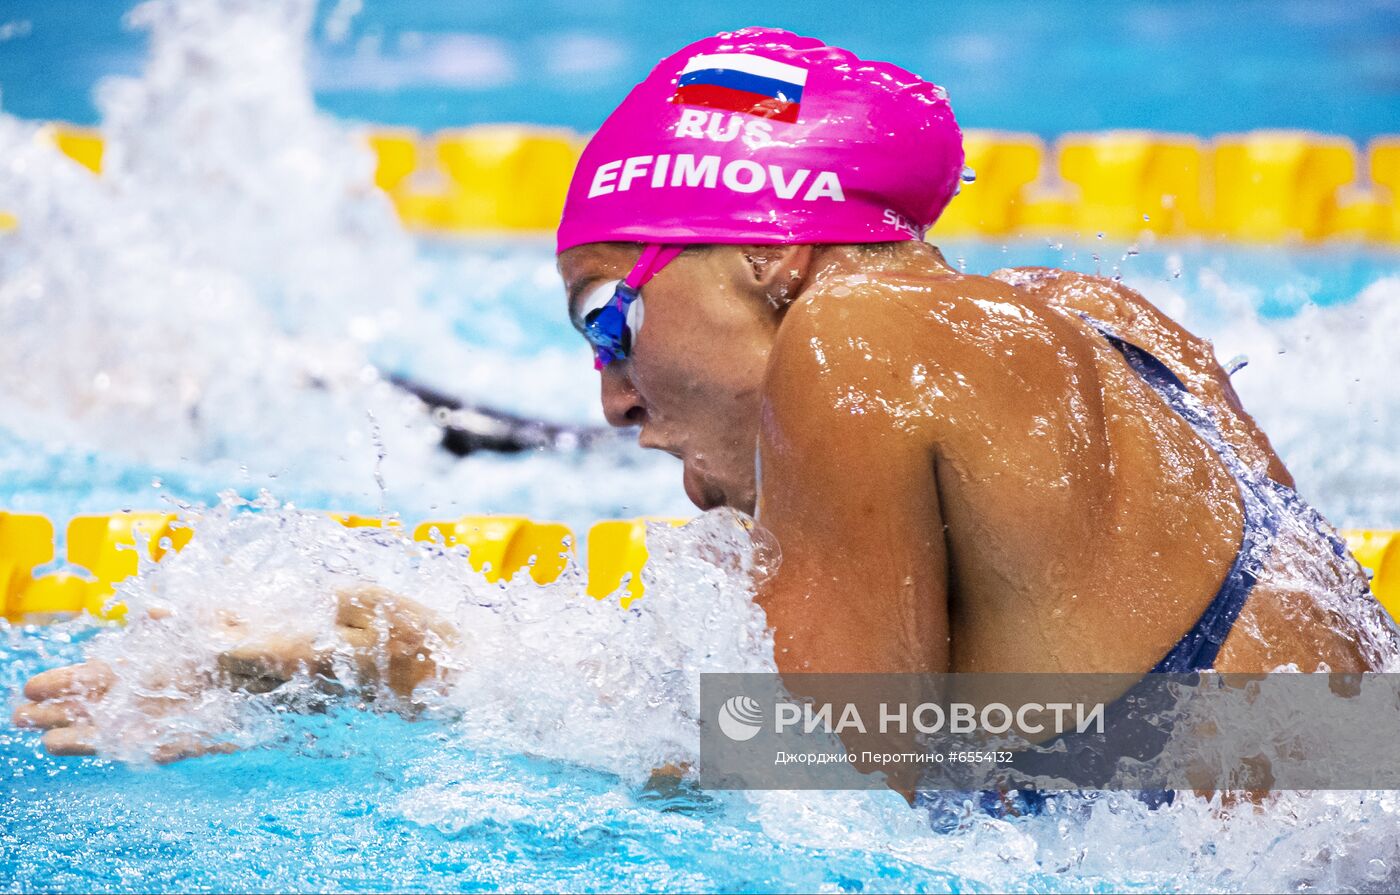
(545, 668)
(218, 297)
(1321, 383)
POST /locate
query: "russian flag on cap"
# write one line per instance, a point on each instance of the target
(742, 82)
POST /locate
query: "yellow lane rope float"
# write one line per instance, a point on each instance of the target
(1262, 186)
(100, 554)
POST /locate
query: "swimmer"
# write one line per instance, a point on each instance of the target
(1029, 471)
(1032, 471)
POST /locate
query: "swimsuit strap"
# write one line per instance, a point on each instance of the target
(1259, 496)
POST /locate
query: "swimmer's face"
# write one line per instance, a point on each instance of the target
(694, 375)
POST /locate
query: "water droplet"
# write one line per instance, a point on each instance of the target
(968, 175)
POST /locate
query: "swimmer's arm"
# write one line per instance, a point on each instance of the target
(850, 494)
(391, 641)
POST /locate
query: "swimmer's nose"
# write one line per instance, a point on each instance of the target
(622, 406)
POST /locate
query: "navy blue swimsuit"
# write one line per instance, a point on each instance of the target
(1198, 647)
(1265, 502)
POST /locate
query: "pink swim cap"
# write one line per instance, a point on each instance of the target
(761, 136)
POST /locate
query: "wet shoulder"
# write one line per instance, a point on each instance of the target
(1136, 319)
(1126, 311)
(1099, 297)
(909, 336)
(1110, 302)
(952, 305)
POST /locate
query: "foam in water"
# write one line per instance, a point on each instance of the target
(550, 668)
(219, 297)
(547, 671)
(1321, 384)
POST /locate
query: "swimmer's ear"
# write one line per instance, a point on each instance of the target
(778, 271)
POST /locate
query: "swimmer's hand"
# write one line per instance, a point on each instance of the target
(62, 703)
(390, 642)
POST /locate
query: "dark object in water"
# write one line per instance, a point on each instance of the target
(468, 428)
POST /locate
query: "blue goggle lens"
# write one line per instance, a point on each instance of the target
(606, 327)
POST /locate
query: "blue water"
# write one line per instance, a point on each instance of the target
(360, 801)
(1194, 66)
(518, 311)
(354, 800)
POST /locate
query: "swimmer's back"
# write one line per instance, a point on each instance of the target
(1086, 526)
(1283, 622)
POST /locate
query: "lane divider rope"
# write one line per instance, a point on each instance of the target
(102, 551)
(1260, 187)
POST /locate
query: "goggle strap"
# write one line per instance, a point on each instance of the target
(655, 256)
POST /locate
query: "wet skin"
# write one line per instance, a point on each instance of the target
(961, 474)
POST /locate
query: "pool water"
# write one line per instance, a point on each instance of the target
(208, 318)
(1313, 325)
(1045, 66)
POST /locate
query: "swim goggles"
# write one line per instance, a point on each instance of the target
(612, 324)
